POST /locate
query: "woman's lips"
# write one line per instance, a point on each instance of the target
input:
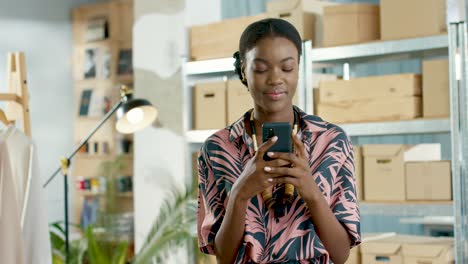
(275, 95)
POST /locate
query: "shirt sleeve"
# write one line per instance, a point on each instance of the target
(211, 207)
(344, 199)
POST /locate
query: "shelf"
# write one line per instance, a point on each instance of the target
(199, 136)
(414, 209)
(419, 126)
(335, 54)
(379, 48)
(430, 220)
(102, 156)
(126, 79)
(209, 66)
(91, 193)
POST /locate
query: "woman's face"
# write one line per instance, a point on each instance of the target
(272, 69)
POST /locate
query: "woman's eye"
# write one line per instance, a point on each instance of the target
(288, 69)
(260, 70)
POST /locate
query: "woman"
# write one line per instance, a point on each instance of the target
(321, 222)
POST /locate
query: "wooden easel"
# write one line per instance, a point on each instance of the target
(17, 98)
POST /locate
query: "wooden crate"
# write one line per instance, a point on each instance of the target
(370, 88)
(293, 12)
(389, 109)
(220, 39)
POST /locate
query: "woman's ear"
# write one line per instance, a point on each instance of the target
(243, 73)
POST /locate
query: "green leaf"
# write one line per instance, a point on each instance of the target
(173, 226)
(95, 254)
(120, 254)
(57, 259)
(57, 242)
(58, 226)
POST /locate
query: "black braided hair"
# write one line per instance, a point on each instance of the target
(269, 27)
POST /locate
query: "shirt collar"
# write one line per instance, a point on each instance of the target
(308, 125)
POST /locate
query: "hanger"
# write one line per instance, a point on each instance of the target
(3, 118)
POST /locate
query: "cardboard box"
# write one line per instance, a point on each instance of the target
(305, 15)
(239, 100)
(358, 165)
(428, 180)
(293, 12)
(408, 19)
(377, 98)
(436, 88)
(316, 100)
(382, 251)
(206, 259)
(403, 108)
(398, 249)
(354, 256)
(371, 88)
(195, 173)
(434, 251)
(317, 79)
(361, 22)
(384, 169)
(423, 152)
(209, 105)
(220, 39)
(384, 173)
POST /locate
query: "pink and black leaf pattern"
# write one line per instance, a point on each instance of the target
(290, 238)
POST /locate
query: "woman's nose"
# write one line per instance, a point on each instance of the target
(275, 77)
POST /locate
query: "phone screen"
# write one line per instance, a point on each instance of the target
(283, 131)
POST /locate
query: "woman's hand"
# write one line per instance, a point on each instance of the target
(298, 174)
(254, 178)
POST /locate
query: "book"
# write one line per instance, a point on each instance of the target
(97, 29)
(104, 66)
(85, 101)
(89, 67)
(125, 65)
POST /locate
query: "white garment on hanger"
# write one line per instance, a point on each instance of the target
(30, 197)
(11, 240)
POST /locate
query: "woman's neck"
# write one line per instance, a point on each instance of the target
(264, 117)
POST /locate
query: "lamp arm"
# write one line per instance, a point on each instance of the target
(86, 139)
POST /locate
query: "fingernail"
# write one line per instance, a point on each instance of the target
(270, 179)
(267, 169)
(270, 154)
(274, 138)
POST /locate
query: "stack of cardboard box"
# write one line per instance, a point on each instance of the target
(389, 97)
(323, 23)
(402, 249)
(217, 104)
(402, 173)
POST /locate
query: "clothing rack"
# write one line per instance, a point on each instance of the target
(17, 98)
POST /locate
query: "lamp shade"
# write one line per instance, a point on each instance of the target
(134, 115)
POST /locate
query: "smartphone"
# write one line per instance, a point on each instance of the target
(283, 131)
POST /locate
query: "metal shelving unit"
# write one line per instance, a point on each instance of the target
(437, 43)
(418, 126)
(209, 66)
(453, 45)
(438, 209)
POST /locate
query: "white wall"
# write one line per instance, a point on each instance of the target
(42, 29)
(160, 45)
